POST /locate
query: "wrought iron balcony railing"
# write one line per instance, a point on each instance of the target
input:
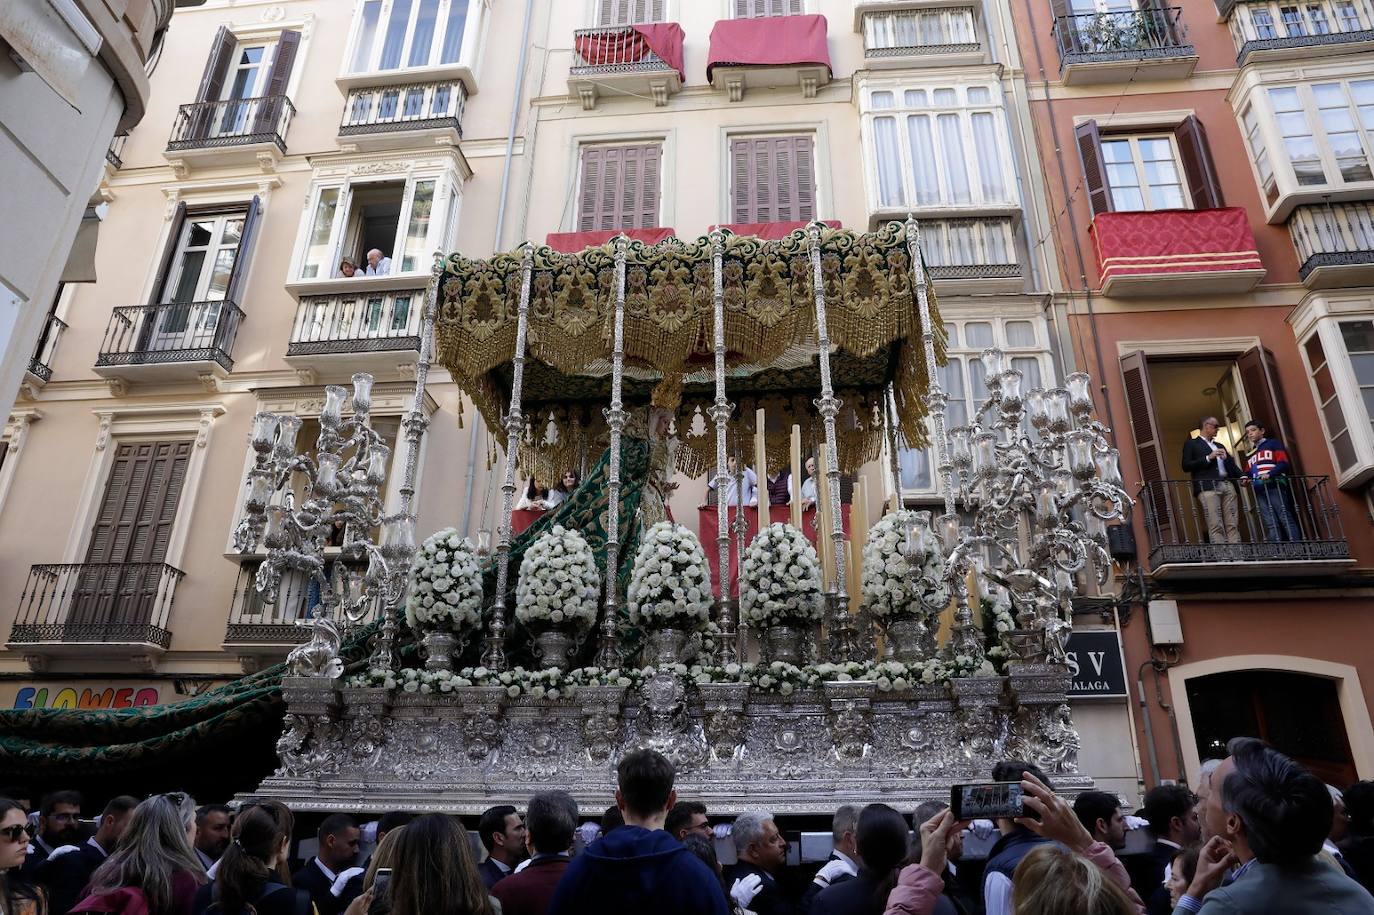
(174, 332)
(381, 109)
(363, 322)
(1261, 28)
(1294, 520)
(1130, 35)
(41, 363)
(234, 122)
(1333, 235)
(251, 621)
(976, 248)
(114, 155)
(110, 602)
(613, 49)
(903, 33)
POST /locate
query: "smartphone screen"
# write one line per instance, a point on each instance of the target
(986, 801)
(381, 883)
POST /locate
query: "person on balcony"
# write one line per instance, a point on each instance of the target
(559, 494)
(1212, 468)
(1268, 468)
(347, 269)
(378, 264)
(750, 482)
(808, 486)
(536, 498)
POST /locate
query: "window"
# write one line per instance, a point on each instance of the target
(1326, 132)
(619, 187)
(903, 29)
(1143, 173)
(407, 220)
(406, 34)
(243, 79)
(756, 9)
(1358, 337)
(772, 179)
(630, 12)
(968, 242)
(1263, 21)
(1255, 140)
(204, 259)
(939, 146)
(1335, 387)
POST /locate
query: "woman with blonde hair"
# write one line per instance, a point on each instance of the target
(379, 903)
(154, 867)
(434, 872)
(1055, 881)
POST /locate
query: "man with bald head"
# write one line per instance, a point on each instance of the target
(378, 264)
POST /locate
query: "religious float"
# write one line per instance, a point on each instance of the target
(443, 677)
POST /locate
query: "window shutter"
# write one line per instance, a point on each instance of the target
(241, 257)
(271, 106)
(649, 188)
(588, 196)
(627, 209)
(1094, 172)
(620, 187)
(1198, 168)
(168, 252)
(217, 66)
(1140, 407)
(774, 180)
(804, 171)
(742, 186)
(765, 187)
(117, 488)
(612, 166)
(1259, 377)
(172, 458)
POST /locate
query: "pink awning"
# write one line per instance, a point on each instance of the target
(572, 242)
(770, 41)
(632, 44)
(771, 231)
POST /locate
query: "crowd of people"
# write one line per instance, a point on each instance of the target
(1261, 835)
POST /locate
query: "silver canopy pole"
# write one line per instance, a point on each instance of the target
(608, 654)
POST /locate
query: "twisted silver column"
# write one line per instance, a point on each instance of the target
(726, 652)
(608, 652)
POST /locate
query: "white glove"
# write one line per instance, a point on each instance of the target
(1133, 822)
(723, 830)
(61, 850)
(522, 865)
(831, 870)
(341, 881)
(745, 889)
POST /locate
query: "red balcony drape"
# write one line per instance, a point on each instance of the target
(633, 45)
(776, 41)
(573, 242)
(1174, 241)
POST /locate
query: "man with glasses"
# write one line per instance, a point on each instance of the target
(66, 875)
(1212, 469)
(59, 825)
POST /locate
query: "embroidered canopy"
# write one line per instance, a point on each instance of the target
(770, 331)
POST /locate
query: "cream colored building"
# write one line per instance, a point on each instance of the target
(282, 137)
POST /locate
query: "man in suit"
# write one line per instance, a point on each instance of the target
(503, 836)
(761, 852)
(66, 876)
(353, 887)
(212, 833)
(1212, 468)
(688, 818)
(59, 825)
(1268, 817)
(842, 865)
(339, 837)
(550, 821)
(1172, 813)
(962, 893)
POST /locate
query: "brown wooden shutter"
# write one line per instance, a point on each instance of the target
(649, 188)
(273, 104)
(588, 196)
(1259, 376)
(136, 516)
(217, 66)
(169, 251)
(741, 181)
(1198, 168)
(608, 199)
(774, 179)
(245, 252)
(1094, 172)
(610, 12)
(1149, 444)
(619, 187)
(804, 174)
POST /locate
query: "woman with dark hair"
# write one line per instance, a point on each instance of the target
(434, 872)
(536, 497)
(570, 480)
(705, 849)
(882, 839)
(154, 867)
(247, 878)
(17, 896)
(1181, 873)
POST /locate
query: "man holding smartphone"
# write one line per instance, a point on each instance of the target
(1016, 842)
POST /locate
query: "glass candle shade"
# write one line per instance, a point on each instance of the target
(265, 430)
(259, 492)
(960, 453)
(1011, 388)
(1095, 526)
(1064, 483)
(1057, 407)
(1109, 466)
(1079, 447)
(332, 413)
(948, 526)
(1079, 385)
(993, 362)
(1046, 505)
(362, 392)
(401, 534)
(376, 464)
(290, 426)
(1036, 408)
(985, 454)
(327, 473)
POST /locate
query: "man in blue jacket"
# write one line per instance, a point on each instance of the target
(639, 867)
(1268, 468)
(1016, 842)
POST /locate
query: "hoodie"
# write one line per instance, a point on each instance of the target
(632, 869)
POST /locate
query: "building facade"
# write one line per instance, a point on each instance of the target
(282, 139)
(1208, 168)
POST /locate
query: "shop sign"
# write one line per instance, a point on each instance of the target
(1096, 667)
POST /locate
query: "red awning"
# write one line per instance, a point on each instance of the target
(633, 44)
(572, 242)
(770, 41)
(771, 231)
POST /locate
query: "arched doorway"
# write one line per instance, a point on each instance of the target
(1299, 714)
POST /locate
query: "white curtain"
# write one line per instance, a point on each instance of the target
(923, 168)
(888, 151)
(952, 147)
(989, 157)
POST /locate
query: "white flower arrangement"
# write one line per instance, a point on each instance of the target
(888, 591)
(559, 582)
(669, 587)
(445, 585)
(518, 682)
(780, 579)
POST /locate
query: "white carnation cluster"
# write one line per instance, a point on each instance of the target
(780, 579)
(445, 585)
(559, 582)
(669, 587)
(886, 581)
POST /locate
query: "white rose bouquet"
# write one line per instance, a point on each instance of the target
(668, 587)
(886, 583)
(445, 585)
(559, 583)
(780, 579)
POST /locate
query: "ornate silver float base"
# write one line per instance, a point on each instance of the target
(665, 646)
(911, 639)
(735, 747)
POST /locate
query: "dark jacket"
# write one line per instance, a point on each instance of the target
(855, 896)
(185, 885)
(314, 881)
(273, 899)
(770, 900)
(1314, 888)
(1146, 871)
(491, 872)
(633, 869)
(1197, 461)
(530, 891)
(1008, 851)
(814, 889)
(1358, 852)
(1269, 458)
(67, 876)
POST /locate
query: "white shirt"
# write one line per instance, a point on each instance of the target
(382, 269)
(326, 871)
(808, 489)
(1221, 467)
(555, 498)
(997, 894)
(751, 489)
(1169, 868)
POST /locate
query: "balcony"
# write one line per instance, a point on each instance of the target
(114, 155)
(233, 132)
(1311, 542)
(171, 342)
(368, 329)
(1176, 252)
(1299, 32)
(260, 633)
(81, 610)
(627, 60)
(1142, 45)
(40, 366)
(771, 52)
(904, 38)
(386, 117)
(1335, 244)
(977, 255)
